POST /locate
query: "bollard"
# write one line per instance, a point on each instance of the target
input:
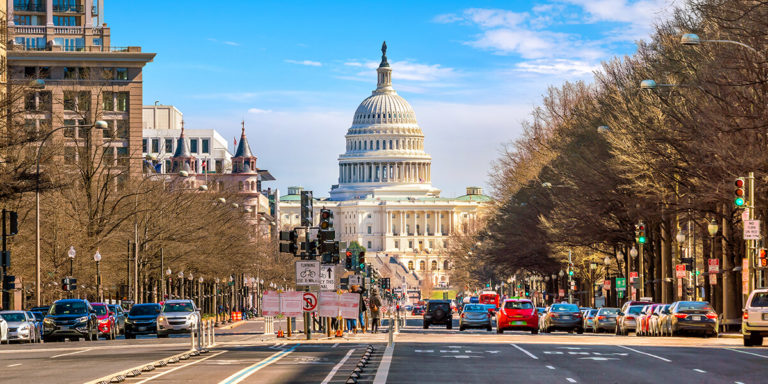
(397, 322)
(192, 338)
(391, 333)
(202, 328)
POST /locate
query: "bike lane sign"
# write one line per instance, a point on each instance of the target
(308, 272)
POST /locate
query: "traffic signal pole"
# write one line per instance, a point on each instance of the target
(570, 291)
(751, 243)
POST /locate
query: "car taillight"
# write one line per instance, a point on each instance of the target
(630, 317)
(590, 317)
(555, 315)
(578, 315)
(746, 315)
(601, 317)
(711, 315)
(681, 315)
(462, 315)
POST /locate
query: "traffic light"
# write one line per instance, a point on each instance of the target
(763, 254)
(640, 233)
(9, 282)
(570, 270)
(326, 235)
(348, 261)
(68, 284)
(361, 260)
(311, 248)
(738, 200)
(288, 242)
(306, 209)
(14, 223)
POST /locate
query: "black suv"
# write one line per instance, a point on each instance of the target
(142, 320)
(71, 318)
(438, 312)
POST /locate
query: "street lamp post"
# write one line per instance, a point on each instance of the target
(97, 259)
(215, 301)
(170, 286)
(180, 275)
(712, 228)
(592, 269)
(100, 124)
(680, 238)
(71, 254)
(633, 255)
(607, 262)
(200, 292)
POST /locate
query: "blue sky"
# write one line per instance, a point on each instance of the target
(296, 71)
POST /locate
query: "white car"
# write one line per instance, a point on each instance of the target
(755, 324)
(3, 331)
(21, 326)
(177, 316)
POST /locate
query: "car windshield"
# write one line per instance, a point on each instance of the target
(693, 305)
(592, 312)
(564, 308)
(635, 310)
(474, 308)
(518, 305)
(760, 299)
(609, 311)
(69, 308)
(144, 310)
(178, 307)
(443, 306)
(14, 317)
(100, 310)
(38, 316)
(113, 308)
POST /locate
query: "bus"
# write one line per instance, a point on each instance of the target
(490, 298)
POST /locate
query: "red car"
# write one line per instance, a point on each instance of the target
(643, 322)
(107, 327)
(517, 314)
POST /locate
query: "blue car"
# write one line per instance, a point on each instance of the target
(142, 320)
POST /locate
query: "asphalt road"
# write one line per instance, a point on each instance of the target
(436, 355)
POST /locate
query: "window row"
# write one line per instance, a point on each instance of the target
(196, 145)
(76, 73)
(423, 265)
(364, 145)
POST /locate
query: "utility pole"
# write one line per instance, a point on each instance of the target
(570, 291)
(751, 243)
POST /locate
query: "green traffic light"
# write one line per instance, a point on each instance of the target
(641, 239)
(739, 201)
(570, 273)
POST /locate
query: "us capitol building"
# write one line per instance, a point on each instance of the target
(384, 199)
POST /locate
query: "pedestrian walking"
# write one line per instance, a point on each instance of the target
(375, 310)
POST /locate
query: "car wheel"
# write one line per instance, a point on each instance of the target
(162, 336)
(128, 336)
(461, 327)
(489, 329)
(534, 331)
(548, 330)
(580, 331)
(747, 341)
(757, 340)
(449, 325)
(499, 329)
(426, 325)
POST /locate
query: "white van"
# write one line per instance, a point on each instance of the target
(754, 325)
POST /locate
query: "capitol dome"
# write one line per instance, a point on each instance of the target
(384, 147)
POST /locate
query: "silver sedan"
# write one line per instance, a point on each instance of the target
(475, 316)
(21, 326)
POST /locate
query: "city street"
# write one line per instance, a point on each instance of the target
(437, 355)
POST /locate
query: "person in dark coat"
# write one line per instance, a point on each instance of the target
(375, 302)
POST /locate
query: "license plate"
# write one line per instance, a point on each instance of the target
(765, 316)
(142, 328)
(517, 323)
(566, 317)
(696, 318)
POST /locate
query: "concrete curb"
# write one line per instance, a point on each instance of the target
(148, 367)
(233, 325)
(729, 336)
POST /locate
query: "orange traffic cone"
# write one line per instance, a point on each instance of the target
(339, 333)
(280, 333)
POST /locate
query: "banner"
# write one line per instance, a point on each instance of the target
(292, 304)
(270, 303)
(349, 304)
(328, 304)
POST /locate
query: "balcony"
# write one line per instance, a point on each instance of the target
(67, 7)
(28, 6)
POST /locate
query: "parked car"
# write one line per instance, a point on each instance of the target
(589, 319)
(107, 324)
(654, 324)
(177, 316)
(438, 312)
(21, 326)
(517, 314)
(644, 319)
(70, 318)
(605, 320)
(755, 321)
(417, 310)
(120, 317)
(693, 316)
(38, 316)
(475, 316)
(562, 317)
(626, 321)
(44, 309)
(3, 331)
(142, 320)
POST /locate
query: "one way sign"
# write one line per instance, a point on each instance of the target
(327, 280)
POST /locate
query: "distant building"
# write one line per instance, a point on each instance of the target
(162, 117)
(207, 145)
(66, 44)
(384, 199)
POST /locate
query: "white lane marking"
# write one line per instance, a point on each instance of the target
(14, 365)
(426, 350)
(71, 353)
(550, 367)
(524, 351)
(179, 367)
(748, 353)
(337, 366)
(248, 371)
(645, 353)
(386, 361)
(737, 382)
(699, 370)
(570, 380)
(335, 345)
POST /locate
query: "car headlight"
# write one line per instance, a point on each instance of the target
(81, 319)
(161, 318)
(128, 321)
(24, 327)
(49, 320)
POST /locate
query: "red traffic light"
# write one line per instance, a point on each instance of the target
(739, 183)
(349, 254)
(325, 214)
(641, 227)
(762, 253)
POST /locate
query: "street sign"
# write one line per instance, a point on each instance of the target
(751, 229)
(562, 292)
(621, 284)
(355, 280)
(632, 275)
(348, 305)
(714, 265)
(308, 272)
(648, 299)
(680, 271)
(745, 275)
(607, 285)
(327, 279)
(328, 304)
(712, 279)
(745, 214)
(310, 302)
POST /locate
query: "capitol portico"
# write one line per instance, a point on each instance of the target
(384, 199)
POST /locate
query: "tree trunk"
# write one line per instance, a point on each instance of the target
(730, 304)
(666, 261)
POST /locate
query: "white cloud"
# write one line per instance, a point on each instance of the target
(305, 62)
(353, 64)
(257, 111)
(230, 43)
(558, 67)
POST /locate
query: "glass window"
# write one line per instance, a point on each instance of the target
(122, 101)
(168, 145)
(30, 101)
(121, 129)
(564, 308)
(144, 310)
(97, 41)
(70, 72)
(108, 131)
(108, 101)
(155, 145)
(122, 74)
(205, 143)
(30, 72)
(369, 244)
(68, 308)
(369, 229)
(475, 308)
(410, 265)
(144, 145)
(14, 317)
(44, 73)
(760, 299)
(193, 145)
(178, 307)
(84, 101)
(100, 310)
(518, 305)
(70, 100)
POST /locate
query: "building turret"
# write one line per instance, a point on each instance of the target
(182, 159)
(244, 161)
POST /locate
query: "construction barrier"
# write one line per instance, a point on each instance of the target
(237, 316)
(269, 325)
